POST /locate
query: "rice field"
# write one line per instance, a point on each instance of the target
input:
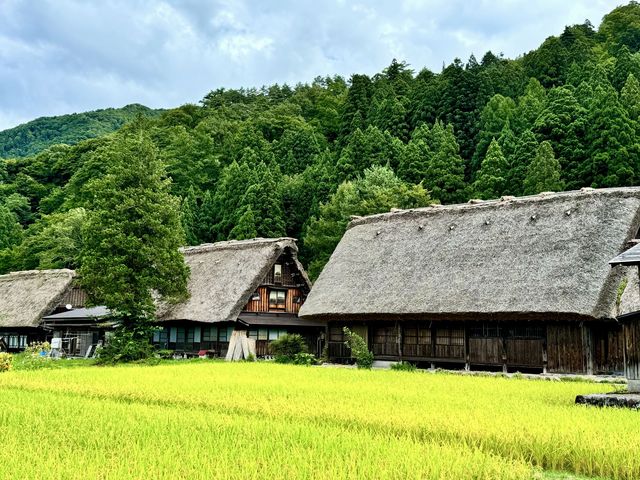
(197, 420)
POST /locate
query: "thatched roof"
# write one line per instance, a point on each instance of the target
(629, 298)
(25, 297)
(539, 257)
(223, 277)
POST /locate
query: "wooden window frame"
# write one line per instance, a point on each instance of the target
(277, 305)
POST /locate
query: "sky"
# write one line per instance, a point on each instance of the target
(65, 56)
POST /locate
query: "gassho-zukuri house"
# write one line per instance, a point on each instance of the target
(514, 284)
(256, 286)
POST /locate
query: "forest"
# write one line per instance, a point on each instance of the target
(301, 160)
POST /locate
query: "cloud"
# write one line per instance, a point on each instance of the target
(62, 56)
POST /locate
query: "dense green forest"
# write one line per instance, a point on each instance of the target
(301, 160)
(33, 137)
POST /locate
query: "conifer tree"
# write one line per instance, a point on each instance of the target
(188, 217)
(131, 240)
(563, 123)
(630, 97)
(613, 148)
(206, 217)
(245, 227)
(264, 200)
(492, 176)
(530, 106)
(444, 175)
(525, 152)
(494, 116)
(543, 173)
(414, 161)
(235, 181)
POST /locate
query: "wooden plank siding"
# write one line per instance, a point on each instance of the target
(632, 350)
(486, 351)
(261, 305)
(608, 348)
(565, 348)
(530, 346)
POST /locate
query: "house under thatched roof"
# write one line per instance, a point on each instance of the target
(224, 275)
(25, 297)
(539, 257)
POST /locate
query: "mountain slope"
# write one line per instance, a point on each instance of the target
(39, 134)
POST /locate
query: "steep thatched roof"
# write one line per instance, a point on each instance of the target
(223, 277)
(25, 297)
(629, 298)
(538, 257)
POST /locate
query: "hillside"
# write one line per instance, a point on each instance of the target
(298, 161)
(34, 136)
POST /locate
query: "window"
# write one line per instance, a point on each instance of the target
(277, 299)
(161, 337)
(185, 338)
(277, 273)
(262, 334)
(13, 341)
(223, 335)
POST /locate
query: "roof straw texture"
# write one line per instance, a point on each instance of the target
(223, 277)
(25, 297)
(539, 257)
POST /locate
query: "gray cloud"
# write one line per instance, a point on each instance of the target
(62, 56)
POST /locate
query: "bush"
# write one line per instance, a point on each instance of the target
(287, 347)
(38, 349)
(6, 360)
(404, 367)
(34, 357)
(164, 354)
(126, 346)
(304, 359)
(359, 350)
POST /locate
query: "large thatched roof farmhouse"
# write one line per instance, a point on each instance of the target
(25, 297)
(517, 283)
(254, 285)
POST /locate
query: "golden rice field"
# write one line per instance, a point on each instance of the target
(212, 420)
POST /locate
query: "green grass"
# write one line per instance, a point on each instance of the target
(216, 420)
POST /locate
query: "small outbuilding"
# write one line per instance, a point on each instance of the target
(512, 284)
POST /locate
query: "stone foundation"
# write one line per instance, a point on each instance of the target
(620, 400)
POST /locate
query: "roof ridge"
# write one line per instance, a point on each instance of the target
(35, 273)
(236, 244)
(477, 204)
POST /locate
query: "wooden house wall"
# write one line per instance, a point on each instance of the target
(565, 348)
(632, 350)
(608, 348)
(262, 303)
(554, 347)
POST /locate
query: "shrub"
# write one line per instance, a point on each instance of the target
(164, 354)
(287, 347)
(38, 349)
(404, 366)
(6, 360)
(126, 346)
(359, 350)
(34, 357)
(304, 359)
